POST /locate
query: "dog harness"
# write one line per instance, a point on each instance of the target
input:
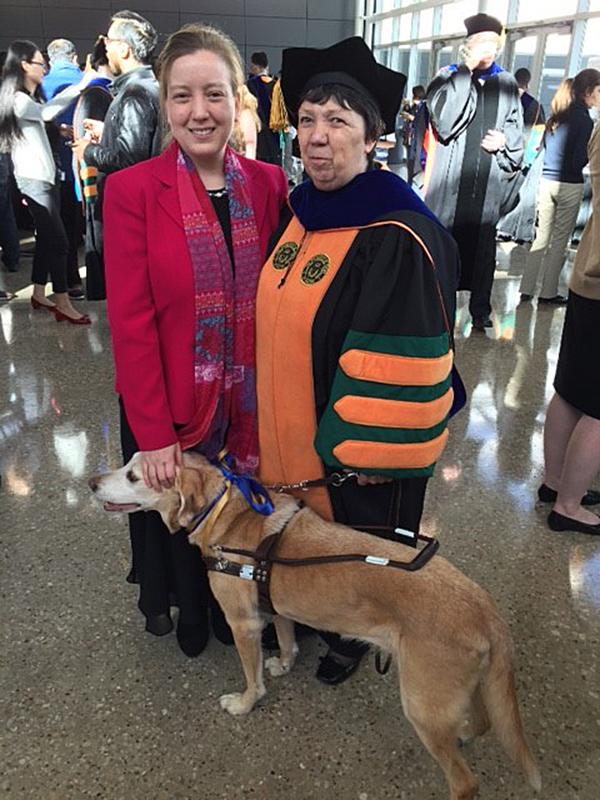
(265, 555)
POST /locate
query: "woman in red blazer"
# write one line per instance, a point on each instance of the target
(186, 234)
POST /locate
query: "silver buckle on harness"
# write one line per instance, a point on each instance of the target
(247, 572)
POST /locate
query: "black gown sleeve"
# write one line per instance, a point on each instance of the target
(388, 406)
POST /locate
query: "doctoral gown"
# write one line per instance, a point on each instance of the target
(464, 184)
(355, 311)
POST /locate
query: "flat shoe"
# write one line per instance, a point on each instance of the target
(62, 317)
(525, 298)
(333, 671)
(481, 323)
(132, 576)
(37, 306)
(76, 294)
(159, 624)
(558, 522)
(548, 495)
(192, 639)
(557, 300)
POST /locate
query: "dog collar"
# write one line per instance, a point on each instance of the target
(252, 491)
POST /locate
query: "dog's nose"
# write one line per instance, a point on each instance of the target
(94, 482)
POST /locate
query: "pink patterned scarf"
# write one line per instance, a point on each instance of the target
(224, 358)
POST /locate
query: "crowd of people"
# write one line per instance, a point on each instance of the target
(310, 331)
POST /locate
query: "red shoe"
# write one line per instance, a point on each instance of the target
(61, 317)
(37, 306)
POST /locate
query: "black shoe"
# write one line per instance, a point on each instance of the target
(525, 298)
(159, 624)
(557, 300)
(558, 522)
(76, 294)
(269, 637)
(192, 639)
(481, 323)
(548, 495)
(220, 625)
(335, 668)
(132, 576)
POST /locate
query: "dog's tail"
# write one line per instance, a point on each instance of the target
(500, 700)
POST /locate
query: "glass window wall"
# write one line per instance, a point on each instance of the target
(454, 14)
(549, 37)
(535, 11)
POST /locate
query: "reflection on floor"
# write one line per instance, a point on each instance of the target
(92, 706)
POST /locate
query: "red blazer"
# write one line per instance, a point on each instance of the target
(150, 289)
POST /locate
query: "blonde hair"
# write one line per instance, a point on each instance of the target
(192, 38)
(249, 103)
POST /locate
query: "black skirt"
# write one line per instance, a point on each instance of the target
(577, 379)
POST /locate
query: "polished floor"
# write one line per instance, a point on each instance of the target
(91, 706)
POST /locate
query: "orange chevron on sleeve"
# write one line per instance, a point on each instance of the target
(365, 365)
(381, 413)
(383, 455)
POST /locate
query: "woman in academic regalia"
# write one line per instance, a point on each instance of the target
(355, 312)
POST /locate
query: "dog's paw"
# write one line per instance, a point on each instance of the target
(276, 667)
(236, 704)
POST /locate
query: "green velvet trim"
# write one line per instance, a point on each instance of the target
(333, 430)
(343, 385)
(413, 346)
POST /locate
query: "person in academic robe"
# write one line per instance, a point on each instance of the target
(261, 85)
(475, 116)
(519, 207)
(355, 312)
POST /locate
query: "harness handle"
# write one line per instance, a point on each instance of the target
(418, 562)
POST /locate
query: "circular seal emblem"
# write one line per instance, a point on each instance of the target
(285, 255)
(315, 269)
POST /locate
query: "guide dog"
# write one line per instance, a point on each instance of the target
(452, 647)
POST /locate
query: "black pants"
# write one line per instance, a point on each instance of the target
(165, 563)
(73, 221)
(396, 505)
(9, 235)
(51, 244)
(477, 248)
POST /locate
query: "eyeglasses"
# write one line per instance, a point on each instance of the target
(108, 40)
(39, 63)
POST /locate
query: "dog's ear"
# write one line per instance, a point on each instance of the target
(190, 486)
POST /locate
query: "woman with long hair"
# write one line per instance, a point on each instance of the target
(23, 114)
(185, 237)
(568, 132)
(247, 124)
